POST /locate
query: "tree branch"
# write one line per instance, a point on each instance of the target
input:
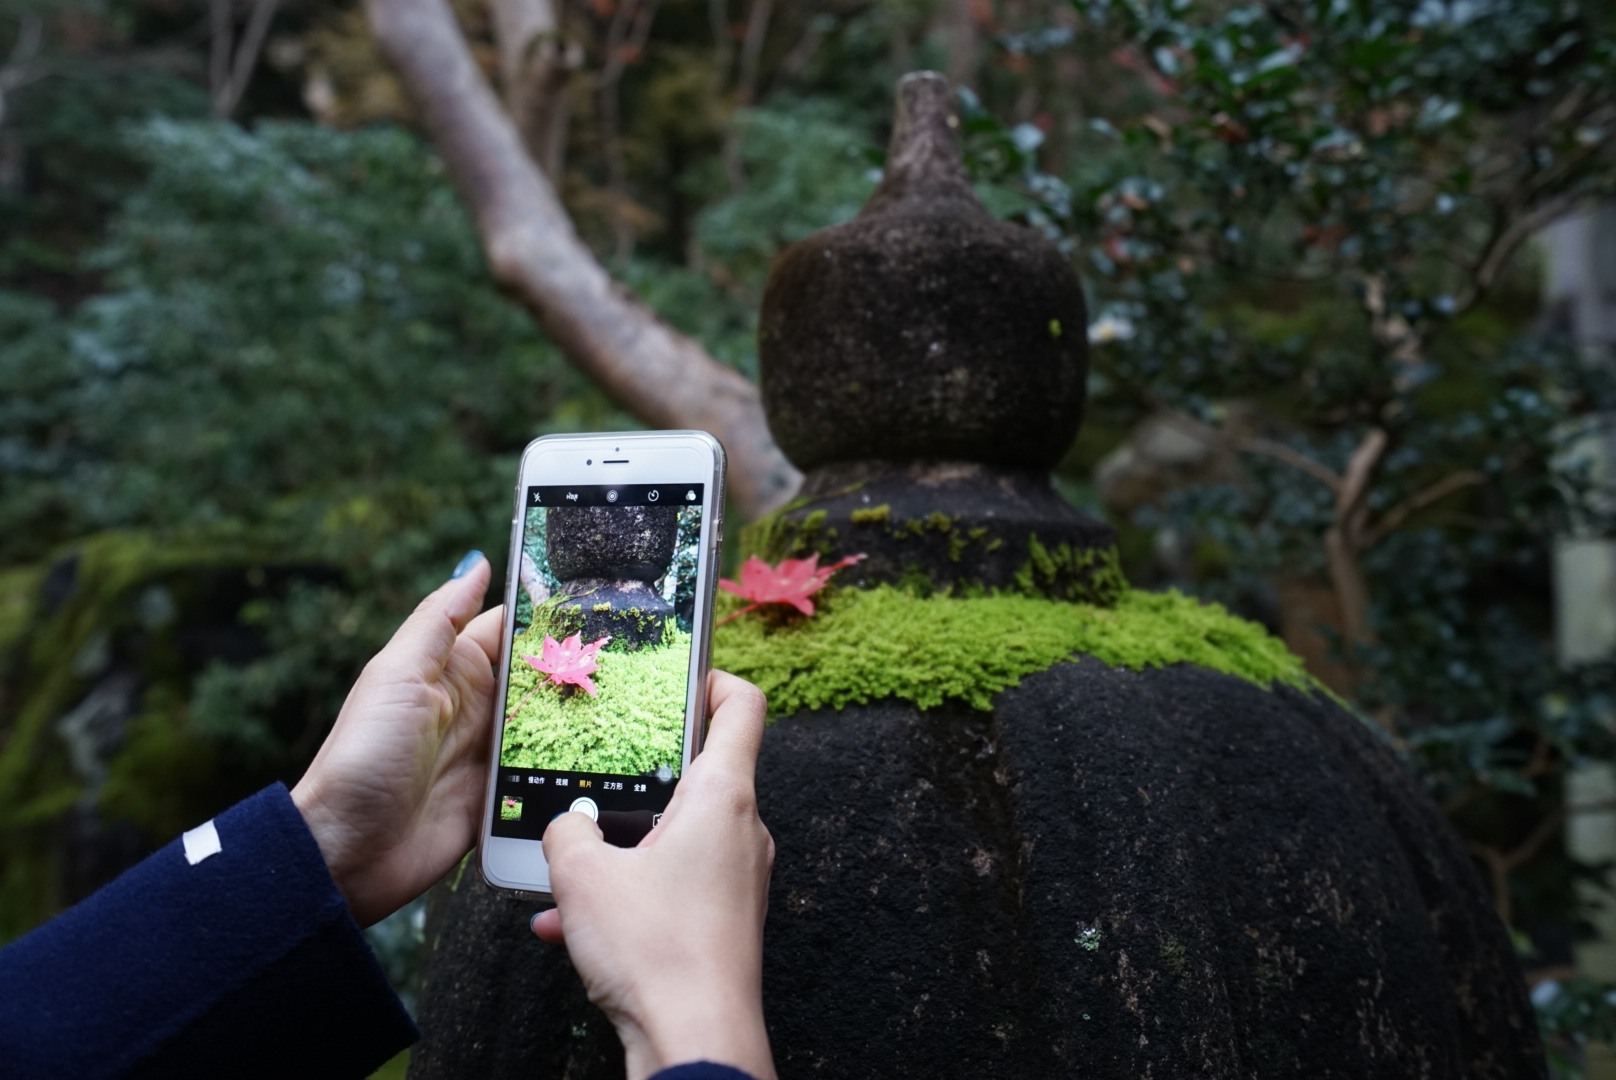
(757, 29)
(1500, 864)
(1354, 487)
(1391, 519)
(625, 38)
(964, 42)
(227, 96)
(222, 27)
(21, 69)
(1505, 241)
(1296, 460)
(661, 376)
(535, 70)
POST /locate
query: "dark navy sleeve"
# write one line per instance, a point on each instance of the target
(702, 1070)
(245, 963)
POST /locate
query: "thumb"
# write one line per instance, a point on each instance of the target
(569, 839)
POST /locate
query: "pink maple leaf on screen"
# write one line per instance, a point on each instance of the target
(792, 582)
(568, 662)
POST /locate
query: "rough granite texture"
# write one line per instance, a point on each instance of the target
(926, 328)
(620, 543)
(1267, 893)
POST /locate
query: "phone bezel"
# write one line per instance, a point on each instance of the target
(560, 459)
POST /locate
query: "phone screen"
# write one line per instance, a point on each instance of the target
(594, 714)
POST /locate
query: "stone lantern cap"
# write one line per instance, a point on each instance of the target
(925, 329)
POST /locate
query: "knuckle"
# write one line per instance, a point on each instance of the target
(733, 797)
(751, 697)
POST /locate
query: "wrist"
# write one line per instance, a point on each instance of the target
(723, 1029)
(323, 827)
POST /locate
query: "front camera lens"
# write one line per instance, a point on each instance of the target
(589, 461)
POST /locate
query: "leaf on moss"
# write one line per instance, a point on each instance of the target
(569, 662)
(792, 582)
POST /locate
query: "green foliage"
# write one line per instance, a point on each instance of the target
(67, 127)
(1574, 1012)
(866, 645)
(806, 168)
(633, 725)
(289, 413)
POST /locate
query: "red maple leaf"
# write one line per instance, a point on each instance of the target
(792, 582)
(568, 662)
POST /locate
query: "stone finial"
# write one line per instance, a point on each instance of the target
(923, 158)
(925, 330)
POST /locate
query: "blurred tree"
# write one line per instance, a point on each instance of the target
(533, 250)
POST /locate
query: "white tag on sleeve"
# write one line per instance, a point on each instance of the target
(201, 842)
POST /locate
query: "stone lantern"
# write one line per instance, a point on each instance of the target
(1029, 821)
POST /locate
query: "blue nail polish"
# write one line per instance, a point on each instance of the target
(463, 567)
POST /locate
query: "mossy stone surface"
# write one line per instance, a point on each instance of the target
(632, 726)
(608, 559)
(871, 645)
(629, 612)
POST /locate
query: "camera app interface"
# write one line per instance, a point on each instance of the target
(594, 717)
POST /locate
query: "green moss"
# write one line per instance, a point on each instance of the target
(940, 522)
(1054, 328)
(778, 536)
(37, 784)
(1175, 956)
(1080, 575)
(633, 725)
(19, 586)
(871, 516)
(916, 581)
(867, 645)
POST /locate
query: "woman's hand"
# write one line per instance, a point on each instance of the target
(396, 792)
(668, 936)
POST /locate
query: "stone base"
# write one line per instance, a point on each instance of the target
(630, 612)
(1112, 875)
(939, 526)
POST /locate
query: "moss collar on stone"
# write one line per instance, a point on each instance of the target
(866, 645)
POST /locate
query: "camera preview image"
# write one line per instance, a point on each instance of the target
(600, 658)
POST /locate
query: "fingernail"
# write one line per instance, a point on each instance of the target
(463, 567)
(533, 923)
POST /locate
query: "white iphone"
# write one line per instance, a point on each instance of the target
(608, 624)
